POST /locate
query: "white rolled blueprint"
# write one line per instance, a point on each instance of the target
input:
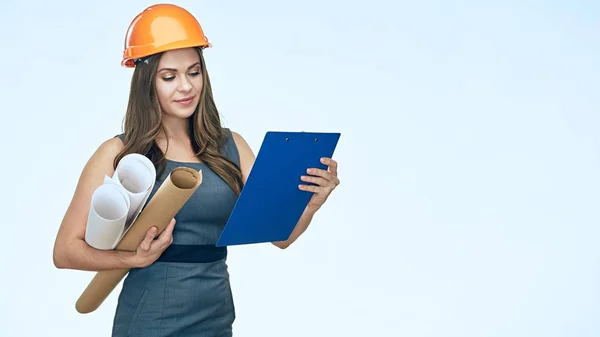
(116, 203)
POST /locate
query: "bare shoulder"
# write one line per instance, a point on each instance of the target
(241, 144)
(247, 156)
(104, 155)
(100, 164)
(110, 147)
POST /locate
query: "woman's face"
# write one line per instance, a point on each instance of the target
(179, 82)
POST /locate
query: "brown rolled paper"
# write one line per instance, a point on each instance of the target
(175, 191)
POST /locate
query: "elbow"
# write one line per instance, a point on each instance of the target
(60, 258)
(282, 244)
(59, 263)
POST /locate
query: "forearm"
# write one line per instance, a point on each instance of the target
(79, 255)
(299, 229)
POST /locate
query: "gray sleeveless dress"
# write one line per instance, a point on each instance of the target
(186, 292)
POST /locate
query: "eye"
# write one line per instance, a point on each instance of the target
(195, 73)
(167, 79)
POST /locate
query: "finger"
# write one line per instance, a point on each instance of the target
(315, 180)
(315, 189)
(333, 165)
(150, 234)
(168, 230)
(166, 237)
(321, 173)
(170, 226)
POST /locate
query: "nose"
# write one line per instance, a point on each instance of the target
(184, 84)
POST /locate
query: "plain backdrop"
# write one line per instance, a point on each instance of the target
(469, 160)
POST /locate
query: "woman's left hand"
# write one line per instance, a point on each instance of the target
(325, 182)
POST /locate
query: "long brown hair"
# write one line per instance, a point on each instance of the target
(142, 124)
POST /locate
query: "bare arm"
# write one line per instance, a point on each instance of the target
(301, 227)
(70, 249)
(247, 158)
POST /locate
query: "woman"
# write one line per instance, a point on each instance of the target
(179, 283)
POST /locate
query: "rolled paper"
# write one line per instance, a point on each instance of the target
(170, 197)
(116, 203)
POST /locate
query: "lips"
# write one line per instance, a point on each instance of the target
(185, 100)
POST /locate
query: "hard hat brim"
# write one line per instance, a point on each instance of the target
(133, 53)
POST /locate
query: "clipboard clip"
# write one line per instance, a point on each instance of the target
(287, 139)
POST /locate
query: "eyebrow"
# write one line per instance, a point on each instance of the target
(173, 69)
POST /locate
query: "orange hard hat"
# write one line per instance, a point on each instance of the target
(160, 28)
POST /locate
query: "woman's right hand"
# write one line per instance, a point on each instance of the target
(150, 249)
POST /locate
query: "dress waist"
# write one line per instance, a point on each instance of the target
(193, 253)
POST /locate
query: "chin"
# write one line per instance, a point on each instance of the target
(183, 112)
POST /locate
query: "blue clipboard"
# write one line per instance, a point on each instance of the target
(271, 203)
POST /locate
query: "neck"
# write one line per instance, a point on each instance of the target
(175, 128)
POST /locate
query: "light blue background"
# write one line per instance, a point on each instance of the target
(469, 160)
